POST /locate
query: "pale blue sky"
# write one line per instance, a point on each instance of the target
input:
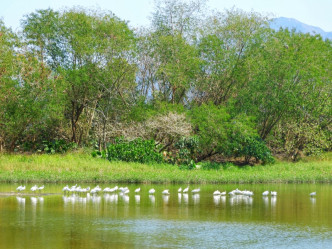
(313, 12)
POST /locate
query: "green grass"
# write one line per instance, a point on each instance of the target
(81, 167)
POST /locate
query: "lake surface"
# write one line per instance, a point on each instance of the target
(292, 219)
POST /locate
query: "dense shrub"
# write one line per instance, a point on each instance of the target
(187, 150)
(57, 146)
(295, 140)
(221, 134)
(254, 147)
(138, 150)
(211, 165)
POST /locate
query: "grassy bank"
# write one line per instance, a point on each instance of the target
(80, 167)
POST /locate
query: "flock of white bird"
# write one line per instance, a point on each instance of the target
(33, 188)
(125, 190)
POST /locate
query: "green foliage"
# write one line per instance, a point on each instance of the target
(90, 51)
(290, 78)
(186, 154)
(58, 146)
(210, 123)
(254, 147)
(85, 75)
(224, 47)
(219, 133)
(296, 140)
(137, 150)
(211, 165)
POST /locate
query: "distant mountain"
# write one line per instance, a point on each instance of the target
(290, 23)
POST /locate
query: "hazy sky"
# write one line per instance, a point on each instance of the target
(313, 12)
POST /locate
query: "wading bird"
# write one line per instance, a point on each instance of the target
(20, 188)
(137, 190)
(34, 188)
(165, 192)
(217, 192)
(196, 190)
(41, 188)
(66, 189)
(152, 191)
(186, 190)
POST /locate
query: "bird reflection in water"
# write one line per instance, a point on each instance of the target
(137, 199)
(185, 198)
(20, 200)
(216, 200)
(152, 199)
(266, 201)
(125, 198)
(179, 197)
(223, 199)
(196, 198)
(313, 200)
(34, 201)
(165, 199)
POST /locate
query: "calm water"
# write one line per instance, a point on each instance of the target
(291, 220)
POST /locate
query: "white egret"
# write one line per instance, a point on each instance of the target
(180, 190)
(313, 194)
(112, 190)
(34, 188)
(126, 191)
(273, 193)
(166, 192)
(266, 193)
(137, 190)
(66, 189)
(20, 188)
(249, 193)
(186, 190)
(85, 190)
(73, 188)
(41, 188)
(238, 192)
(217, 192)
(152, 191)
(123, 189)
(95, 190)
(223, 193)
(196, 191)
(78, 189)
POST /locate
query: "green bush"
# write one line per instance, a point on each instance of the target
(211, 165)
(57, 146)
(221, 134)
(256, 148)
(186, 151)
(138, 150)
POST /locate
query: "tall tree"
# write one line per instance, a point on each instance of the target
(171, 59)
(225, 44)
(290, 78)
(89, 50)
(27, 95)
